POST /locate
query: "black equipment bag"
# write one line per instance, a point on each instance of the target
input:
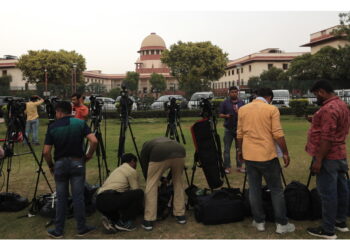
(193, 192)
(207, 153)
(165, 199)
(298, 201)
(316, 205)
(220, 207)
(12, 202)
(90, 198)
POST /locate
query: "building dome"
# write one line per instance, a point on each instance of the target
(152, 40)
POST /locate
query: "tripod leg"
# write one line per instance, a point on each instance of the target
(121, 147)
(182, 135)
(135, 146)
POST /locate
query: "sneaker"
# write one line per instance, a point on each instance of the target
(342, 227)
(228, 170)
(86, 231)
(108, 225)
(125, 225)
(241, 170)
(181, 219)
(259, 226)
(288, 228)
(52, 233)
(319, 232)
(147, 225)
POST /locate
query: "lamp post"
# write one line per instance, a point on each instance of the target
(45, 80)
(75, 77)
(174, 88)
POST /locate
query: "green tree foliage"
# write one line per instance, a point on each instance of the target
(273, 74)
(5, 84)
(131, 80)
(254, 82)
(158, 82)
(195, 65)
(114, 93)
(59, 66)
(344, 27)
(96, 88)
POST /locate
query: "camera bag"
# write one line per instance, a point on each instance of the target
(12, 202)
(222, 206)
(298, 201)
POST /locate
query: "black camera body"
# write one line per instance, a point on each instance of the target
(207, 108)
(50, 107)
(125, 102)
(15, 106)
(96, 107)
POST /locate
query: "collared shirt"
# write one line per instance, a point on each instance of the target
(231, 107)
(80, 112)
(330, 123)
(122, 179)
(259, 126)
(67, 135)
(32, 110)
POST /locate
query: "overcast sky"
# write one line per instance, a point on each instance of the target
(109, 33)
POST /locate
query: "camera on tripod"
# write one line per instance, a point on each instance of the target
(50, 106)
(15, 106)
(125, 102)
(95, 106)
(206, 106)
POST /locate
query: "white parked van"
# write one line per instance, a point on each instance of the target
(344, 94)
(196, 97)
(281, 97)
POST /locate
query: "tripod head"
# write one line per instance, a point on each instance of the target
(125, 103)
(173, 109)
(15, 113)
(96, 108)
(207, 108)
(50, 105)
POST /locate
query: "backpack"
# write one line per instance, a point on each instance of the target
(298, 201)
(316, 205)
(165, 198)
(12, 202)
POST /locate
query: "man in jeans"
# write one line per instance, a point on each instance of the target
(326, 144)
(67, 134)
(229, 111)
(32, 124)
(258, 131)
(120, 198)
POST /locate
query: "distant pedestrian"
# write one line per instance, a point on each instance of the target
(32, 123)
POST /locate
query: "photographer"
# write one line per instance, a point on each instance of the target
(120, 199)
(67, 134)
(157, 156)
(229, 111)
(32, 123)
(80, 111)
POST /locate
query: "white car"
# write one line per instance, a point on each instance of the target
(281, 97)
(108, 103)
(159, 103)
(197, 97)
(134, 104)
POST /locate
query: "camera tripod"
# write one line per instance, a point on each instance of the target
(95, 127)
(125, 106)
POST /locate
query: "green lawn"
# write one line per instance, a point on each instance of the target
(23, 176)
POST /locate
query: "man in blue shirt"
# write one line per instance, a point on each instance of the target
(67, 135)
(229, 111)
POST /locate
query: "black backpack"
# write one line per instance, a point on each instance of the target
(316, 205)
(12, 202)
(298, 201)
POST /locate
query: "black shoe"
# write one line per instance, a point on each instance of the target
(147, 225)
(342, 227)
(181, 219)
(86, 231)
(108, 225)
(52, 233)
(125, 225)
(319, 232)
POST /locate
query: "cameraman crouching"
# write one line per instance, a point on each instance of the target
(119, 199)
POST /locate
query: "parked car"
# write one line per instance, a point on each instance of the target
(159, 103)
(134, 102)
(196, 97)
(108, 103)
(344, 94)
(281, 97)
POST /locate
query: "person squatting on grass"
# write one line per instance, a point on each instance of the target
(158, 155)
(67, 134)
(258, 131)
(120, 198)
(229, 111)
(326, 144)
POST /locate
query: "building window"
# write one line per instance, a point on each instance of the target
(233, 72)
(237, 71)
(285, 66)
(4, 73)
(250, 68)
(269, 66)
(242, 82)
(242, 70)
(229, 72)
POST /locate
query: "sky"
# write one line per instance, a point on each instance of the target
(109, 33)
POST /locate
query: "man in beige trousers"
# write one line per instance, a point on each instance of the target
(158, 155)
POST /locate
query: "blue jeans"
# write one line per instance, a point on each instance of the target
(333, 189)
(73, 171)
(229, 136)
(271, 171)
(32, 128)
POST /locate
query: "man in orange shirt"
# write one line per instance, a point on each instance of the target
(259, 129)
(79, 110)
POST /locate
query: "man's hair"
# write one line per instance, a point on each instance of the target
(33, 98)
(64, 107)
(77, 95)
(232, 88)
(128, 157)
(264, 92)
(322, 84)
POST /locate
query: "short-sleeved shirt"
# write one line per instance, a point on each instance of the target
(331, 123)
(231, 107)
(67, 135)
(80, 112)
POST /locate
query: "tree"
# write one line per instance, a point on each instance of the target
(158, 82)
(272, 74)
(344, 27)
(59, 66)
(96, 88)
(301, 68)
(131, 80)
(195, 65)
(5, 84)
(254, 82)
(114, 93)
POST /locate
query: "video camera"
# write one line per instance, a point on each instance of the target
(125, 102)
(95, 106)
(50, 107)
(173, 109)
(15, 106)
(206, 106)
